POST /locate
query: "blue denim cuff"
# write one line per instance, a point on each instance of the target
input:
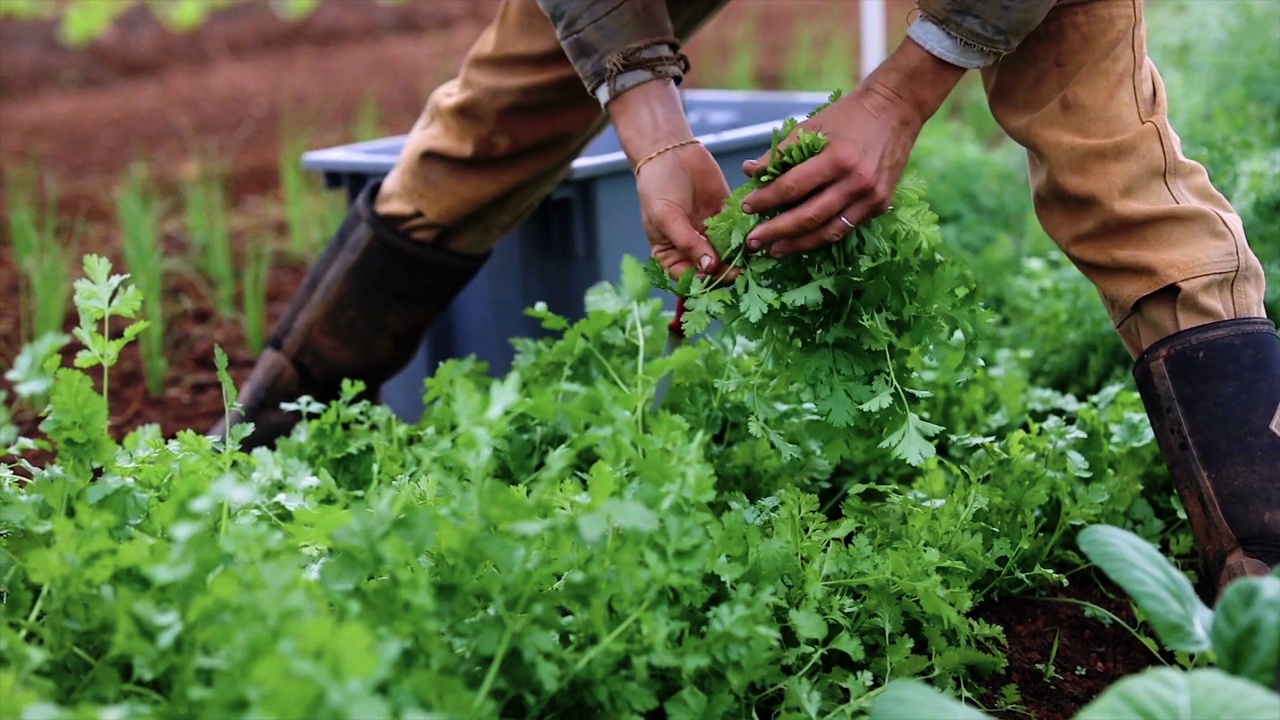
(947, 47)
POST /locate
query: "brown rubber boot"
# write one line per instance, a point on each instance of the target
(361, 313)
(1213, 396)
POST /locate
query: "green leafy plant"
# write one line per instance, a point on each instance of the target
(43, 256)
(33, 369)
(254, 293)
(99, 297)
(138, 210)
(538, 543)
(1240, 635)
(1242, 630)
(310, 215)
(1154, 694)
(208, 230)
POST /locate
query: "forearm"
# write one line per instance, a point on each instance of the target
(617, 45)
(649, 117)
(975, 33)
(915, 81)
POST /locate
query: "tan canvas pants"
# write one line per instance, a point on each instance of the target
(1111, 186)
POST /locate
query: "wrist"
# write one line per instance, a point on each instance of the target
(649, 117)
(914, 81)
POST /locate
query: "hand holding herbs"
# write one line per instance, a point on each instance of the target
(851, 324)
(866, 147)
(871, 133)
(679, 189)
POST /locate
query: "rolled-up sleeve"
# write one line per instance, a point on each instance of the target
(975, 33)
(616, 45)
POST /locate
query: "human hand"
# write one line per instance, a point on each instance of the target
(870, 134)
(679, 190)
(850, 181)
(679, 183)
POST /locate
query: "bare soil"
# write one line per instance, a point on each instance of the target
(81, 116)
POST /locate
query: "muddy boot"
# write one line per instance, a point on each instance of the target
(361, 313)
(1213, 396)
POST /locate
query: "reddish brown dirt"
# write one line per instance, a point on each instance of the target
(81, 116)
(1090, 654)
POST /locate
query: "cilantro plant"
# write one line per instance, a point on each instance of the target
(542, 543)
(99, 297)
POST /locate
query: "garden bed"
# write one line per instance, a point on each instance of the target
(82, 117)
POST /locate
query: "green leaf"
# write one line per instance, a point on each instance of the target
(224, 377)
(1168, 694)
(602, 481)
(1246, 629)
(914, 700)
(808, 624)
(550, 320)
(635, 282)
(1164, 594)
(77, 419)
(809, 294)
(86, 20)
(755, 300)
(32, 371)
(632, 515)
(909, 443)
(688, 704)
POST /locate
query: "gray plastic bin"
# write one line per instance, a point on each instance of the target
(576, 237)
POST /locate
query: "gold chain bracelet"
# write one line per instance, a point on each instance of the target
(656, 153)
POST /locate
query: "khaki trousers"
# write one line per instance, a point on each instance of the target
(1111, 186)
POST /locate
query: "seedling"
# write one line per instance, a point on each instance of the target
(208, 231)
(139, 215)
(42, 256)
(254, 293)
(101, 296)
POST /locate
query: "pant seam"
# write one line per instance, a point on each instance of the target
(1173, 277)
(1170, 178)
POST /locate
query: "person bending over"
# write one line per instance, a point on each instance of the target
(1070, 81)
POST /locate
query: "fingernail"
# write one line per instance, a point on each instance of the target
(705, 262)
(753, 243)
(746, 208)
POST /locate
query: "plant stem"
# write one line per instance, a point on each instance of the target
(35, 612)
(1096, 608)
